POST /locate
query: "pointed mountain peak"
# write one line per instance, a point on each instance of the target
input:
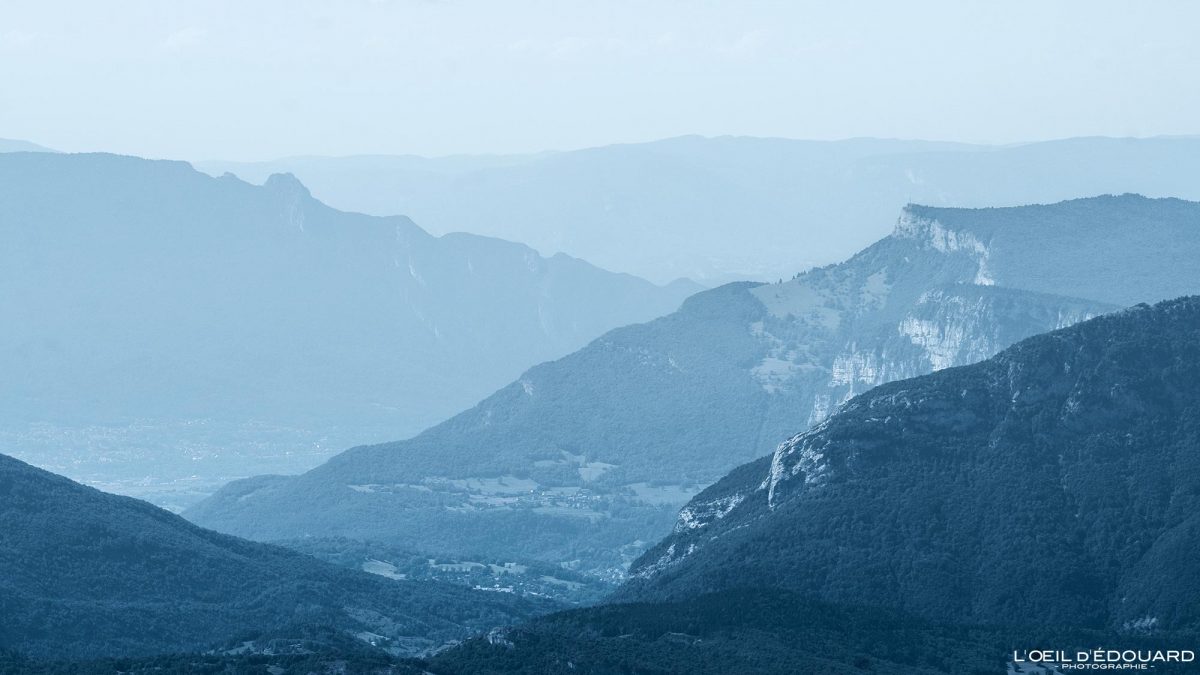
(286, 183)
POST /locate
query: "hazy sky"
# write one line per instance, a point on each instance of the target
(256, 79)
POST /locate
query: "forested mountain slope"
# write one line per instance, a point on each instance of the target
(87, 574)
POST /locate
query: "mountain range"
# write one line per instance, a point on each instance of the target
(943, 523)
(589, 457)
(85, 574)
(728, 208)
(982, 450)
(164, 324)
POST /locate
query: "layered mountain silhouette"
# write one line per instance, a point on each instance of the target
(133, 291)
(730, 207)
(1057, 483)
(584, 461)
(87, 574)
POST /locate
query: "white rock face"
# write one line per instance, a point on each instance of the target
(933, 234)
(856, 367)
(695, 516)
(958, 337)
(917, 302)
(820, 409)
(794, 457)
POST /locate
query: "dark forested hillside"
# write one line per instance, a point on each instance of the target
(88, 574)
(1057, 483)
(766, 632)
(297, 650)
(739, 631)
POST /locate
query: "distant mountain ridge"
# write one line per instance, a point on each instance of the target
(134, 291)
(591, 455)
(87, 574)
(1053, 484)
(1004, 242)
(12, 145)
(727, 208)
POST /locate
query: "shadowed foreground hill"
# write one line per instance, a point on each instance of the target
(765, 632)
(86, 574)
(303, 650)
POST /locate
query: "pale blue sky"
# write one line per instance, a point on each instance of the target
(256, 79)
